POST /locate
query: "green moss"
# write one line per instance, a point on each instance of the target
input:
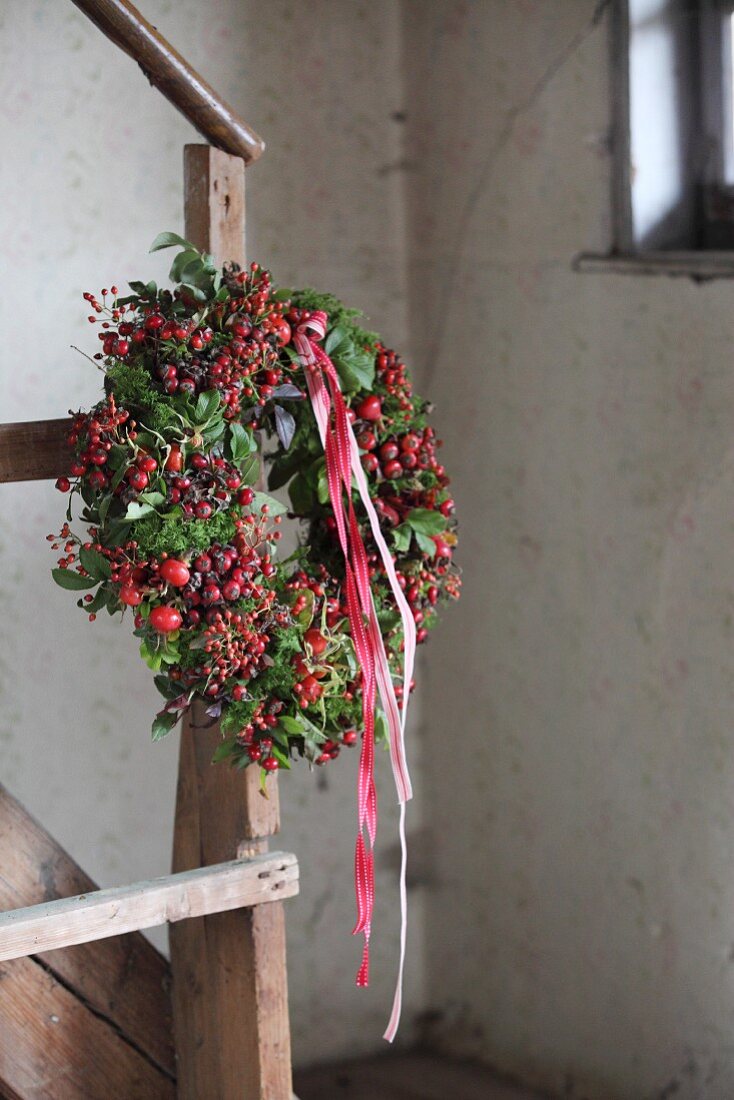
(133, 389)
(156, 535)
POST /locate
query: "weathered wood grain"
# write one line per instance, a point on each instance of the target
(35, 449)
(53, 1046)
(173, 77)
(123, 980)
(122, 909)
(230, 995)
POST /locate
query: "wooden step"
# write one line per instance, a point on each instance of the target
(92, 1021)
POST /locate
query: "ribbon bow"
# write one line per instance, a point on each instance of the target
(343, 463)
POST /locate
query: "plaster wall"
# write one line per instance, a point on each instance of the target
(91, 171)
(582, 932)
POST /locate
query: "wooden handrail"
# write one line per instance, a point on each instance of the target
(173, 77)
(33, 450)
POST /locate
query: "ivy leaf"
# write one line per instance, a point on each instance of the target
(425, 521)
(168, 240)
(285, 426)
(163, 723)
(96, 564)
(206, 405)
(137, 511)
(275, 508)
(66, 578)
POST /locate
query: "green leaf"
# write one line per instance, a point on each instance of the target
(96, 564)
(401, 538)
(336, 337)
(292, 726)
(223, 751)
(250, 469)
(426, 544)
(301, 495)
(168, 240)
(355, 366)
(274, 506)
(137, 511)
(241, 442)
(206, 405)
(163, 723)
(101, 597)
(180, 262)
(280, 756)
(66, 578)
(151, 497)
(426, 521)
(166, 688)
(381, 727)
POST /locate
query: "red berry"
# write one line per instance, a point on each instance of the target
(63, 484)
(175, 572)
(316, 640)
(271, 764)
(165, 619)
(154, 322)
(138, 479)
(147, 463)
(203, 509)
(389, 451)
(393, 469)
(254, 752)
(174, 462)
(130, 595)
(370, 408)
(245, 497)
(370, 463)
(282, 330)
(350, 737)
(239, 691)
(231, 590)
(410, 442)
(203, 564)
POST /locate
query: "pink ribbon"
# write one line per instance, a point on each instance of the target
(342, 464)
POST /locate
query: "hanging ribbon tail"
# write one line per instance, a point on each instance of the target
(342, 464)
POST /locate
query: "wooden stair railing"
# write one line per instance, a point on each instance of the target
(174, 78)
(229, 993)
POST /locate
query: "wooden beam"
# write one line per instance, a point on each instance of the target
(35, 449)
(230, 998)
(174, 77)
(123, 981)
(122, 909)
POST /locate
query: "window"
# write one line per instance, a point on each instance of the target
(674, 130)
(673, 134)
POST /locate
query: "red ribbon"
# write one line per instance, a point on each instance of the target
(342, 461)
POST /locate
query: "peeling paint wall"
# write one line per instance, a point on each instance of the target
(582, 933)
(95, 173)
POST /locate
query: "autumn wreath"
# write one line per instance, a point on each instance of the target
(198, 381)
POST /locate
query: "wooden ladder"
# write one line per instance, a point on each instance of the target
(93, 1020)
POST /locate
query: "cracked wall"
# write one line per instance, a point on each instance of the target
(580, 935)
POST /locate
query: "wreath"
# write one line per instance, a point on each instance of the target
(204, 384)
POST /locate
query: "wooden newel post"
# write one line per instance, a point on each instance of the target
(230, 1001)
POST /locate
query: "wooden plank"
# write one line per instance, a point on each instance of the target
(121, 909)
(174, 78)
(230, 996)
(53, 1046)
(35, 449)
(123, 980)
